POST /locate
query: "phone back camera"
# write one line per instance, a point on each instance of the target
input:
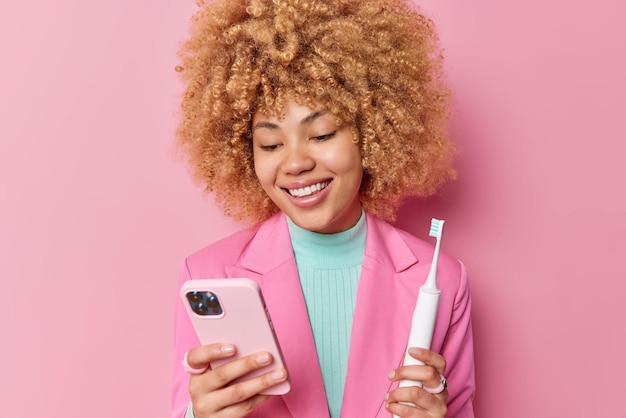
(204, 303)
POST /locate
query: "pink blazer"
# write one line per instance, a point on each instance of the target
(395, 265)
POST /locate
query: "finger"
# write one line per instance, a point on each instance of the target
(227, 372)
(239, 397)
(430, 358)
(206, 407)
(202, 356)
(419, 399)
(428, 375)
(246, 389)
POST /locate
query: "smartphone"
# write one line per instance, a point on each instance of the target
(233, 311)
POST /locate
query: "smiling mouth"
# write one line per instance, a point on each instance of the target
(308, 190)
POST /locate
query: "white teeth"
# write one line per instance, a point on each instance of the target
(305, 191)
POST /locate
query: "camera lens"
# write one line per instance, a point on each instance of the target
(200, 309)
(194, 297)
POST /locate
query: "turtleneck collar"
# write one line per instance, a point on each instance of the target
(329, 251)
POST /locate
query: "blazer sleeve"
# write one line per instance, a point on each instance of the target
(458, 350)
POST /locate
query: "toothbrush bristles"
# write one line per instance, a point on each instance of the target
(436, 226)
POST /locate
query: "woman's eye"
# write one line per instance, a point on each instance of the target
(268, 147)
(321, 138)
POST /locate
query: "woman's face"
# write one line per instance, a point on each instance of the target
(309, 167)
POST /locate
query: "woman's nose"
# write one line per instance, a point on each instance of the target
(297, 160)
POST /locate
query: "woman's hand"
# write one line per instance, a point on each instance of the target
(211, 394)
(426, 404)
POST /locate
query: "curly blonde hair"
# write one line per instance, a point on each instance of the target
(375, 64)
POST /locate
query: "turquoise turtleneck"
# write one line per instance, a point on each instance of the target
(329, 266)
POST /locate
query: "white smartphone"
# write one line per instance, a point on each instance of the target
(233, 311)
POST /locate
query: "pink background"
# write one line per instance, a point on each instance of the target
(97, 215)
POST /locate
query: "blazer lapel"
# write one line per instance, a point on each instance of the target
(382, 320)
(269, 260)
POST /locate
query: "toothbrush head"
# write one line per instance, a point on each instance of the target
(436, 228)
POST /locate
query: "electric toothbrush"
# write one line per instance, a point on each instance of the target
(425, 313)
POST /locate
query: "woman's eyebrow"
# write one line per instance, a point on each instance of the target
(264, 124)
(306, 120)
(312, 116)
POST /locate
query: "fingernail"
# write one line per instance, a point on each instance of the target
(386, 396)
(392, 374)
(263, 359)
(278, 374)
(416, 351)
(228, 349)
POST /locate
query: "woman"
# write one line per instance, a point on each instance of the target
(312, 120)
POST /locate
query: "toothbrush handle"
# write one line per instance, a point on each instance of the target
(422, 328)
